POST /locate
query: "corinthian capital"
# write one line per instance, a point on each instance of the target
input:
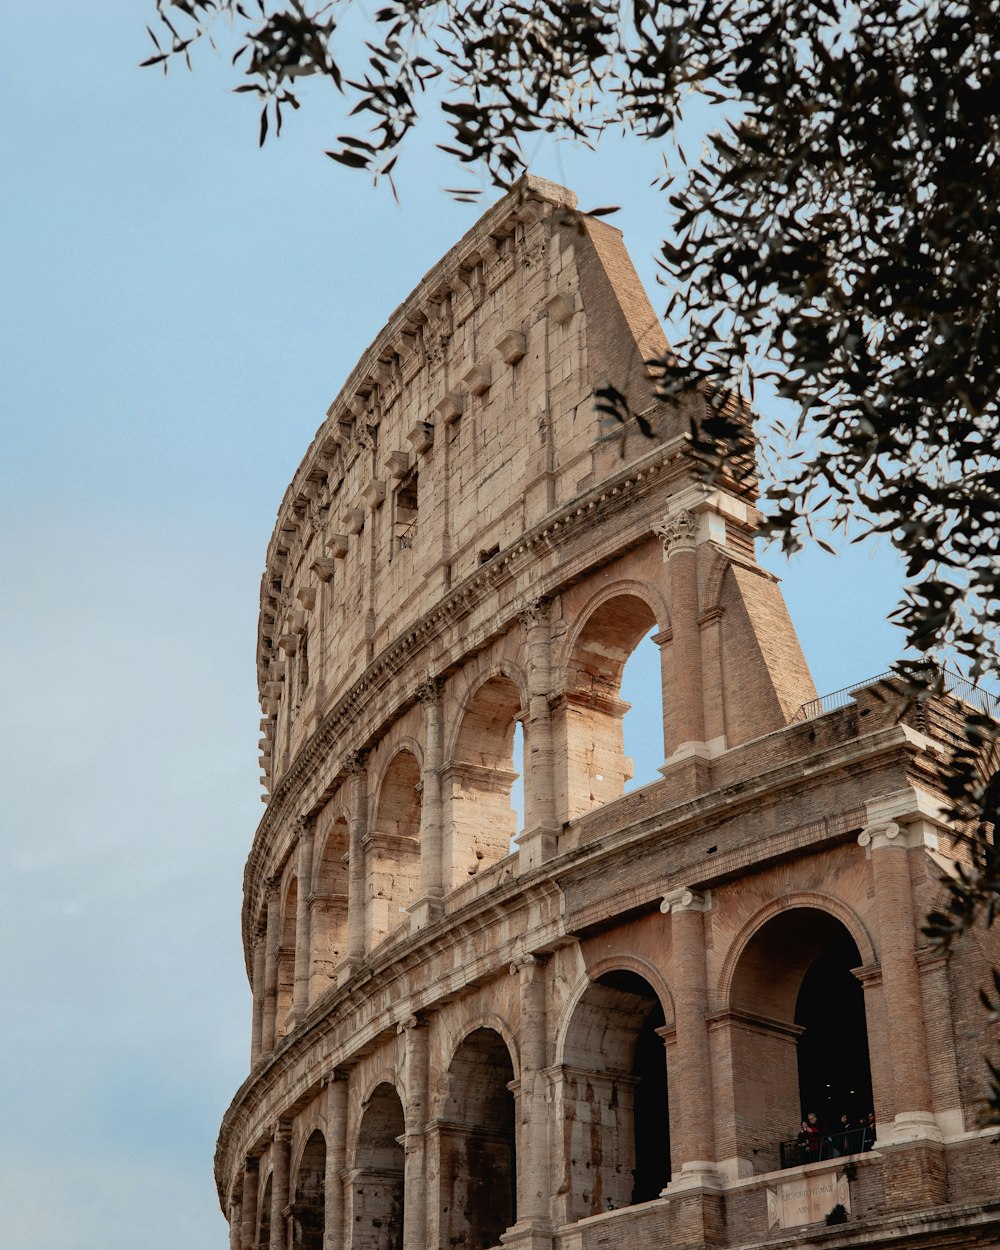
(535, 612)
(679, 532)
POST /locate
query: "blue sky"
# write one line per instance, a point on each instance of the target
(179, 310)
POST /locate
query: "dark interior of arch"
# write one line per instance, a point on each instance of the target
(308, 1208)
(378, 1184)
(399, 799)
(481, 1199)
(648, 1067)
(834, 1071)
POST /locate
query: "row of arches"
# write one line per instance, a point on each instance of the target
(489, 742)
(797, 1033)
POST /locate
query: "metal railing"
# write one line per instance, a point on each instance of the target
(952, 683)
(800, 1150)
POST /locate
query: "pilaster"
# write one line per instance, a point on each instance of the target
(538, 841)
(428, 905)
(336, 1160)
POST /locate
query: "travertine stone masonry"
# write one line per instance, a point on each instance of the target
(601, 1033)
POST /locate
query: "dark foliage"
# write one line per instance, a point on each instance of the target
(840, 238)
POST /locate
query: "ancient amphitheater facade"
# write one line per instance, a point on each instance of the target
(605, 1033)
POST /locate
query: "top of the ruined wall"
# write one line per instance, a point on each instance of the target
(468, 421)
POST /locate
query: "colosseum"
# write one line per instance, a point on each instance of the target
(602, 1032)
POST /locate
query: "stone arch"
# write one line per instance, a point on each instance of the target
(612, 1091)
(328, 900)
(799, 898)
(308, 1205)
(798, 1029)
(587, 718)
(623, 962)
(456, 1036)
(392, 844)
(376, 1180)
(286, 953)
(477, 1131)
(478, 776)
(472, 677)
(712, 593)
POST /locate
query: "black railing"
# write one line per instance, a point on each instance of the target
(955, 684)
(818, 1146)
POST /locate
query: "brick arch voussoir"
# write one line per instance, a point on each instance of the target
(627, 587)
(473, 681)
(712, 592)
(813, 900)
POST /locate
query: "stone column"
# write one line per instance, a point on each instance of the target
(357, 768)
(336, 1161)
(428, 906)
(915, 1168)
(257, 1026)
(679, 534)
(281, 1150)
(251, 1178)
(415, 1117)
(693, 1136)
(538, 841)
(303, 939)
(272, 945)
(533, 1188)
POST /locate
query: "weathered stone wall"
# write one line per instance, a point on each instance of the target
(602, 1036)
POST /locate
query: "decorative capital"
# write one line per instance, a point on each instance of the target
(355, 762)
(527, 964)
(686, 900)
(429, 691)
(282, 1131)
(334, 1075)
(679, 532)
(535, 612)
(305, 826)
(410, 1023)
(881, 835)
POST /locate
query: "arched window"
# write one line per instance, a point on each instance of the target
(286, 956)
(308, 1207)
(799, 1038)
(328, 916)
(588, 718)
(392, 848)
(377, 1179)
(616, 1143)
(478, 1156)
(264, 1221)
(478, 780)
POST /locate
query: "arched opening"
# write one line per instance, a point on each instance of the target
(377, 1179)
(264, 1221)
(799, 1039)
(616, 1123)
(392, 848)
(328, 909)
(642, 725)
(478, 781)
(477, 1145)
(517, 789)
(286, 956)
(307, 1208)
(588, 719)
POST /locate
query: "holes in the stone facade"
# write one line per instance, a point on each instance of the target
(478, 781)
(392, 848)
(477, 1143)
(377, 1180)
(614, 1097)
(308, 1207)
(404, 521)
(329, 907)
(799, 1033)
(286, 956)
(302, 663)
(589, 718)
